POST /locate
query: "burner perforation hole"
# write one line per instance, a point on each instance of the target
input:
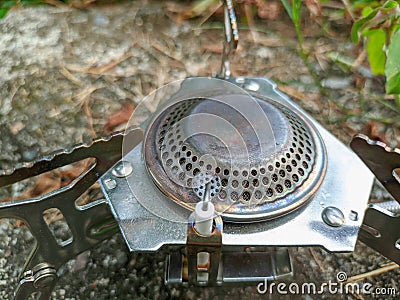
(255, 183)
(274, 177)
(234, 196)
(246, 196)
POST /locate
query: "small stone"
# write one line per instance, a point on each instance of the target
(336, 83)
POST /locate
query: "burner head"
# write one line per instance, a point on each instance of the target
(261, 158)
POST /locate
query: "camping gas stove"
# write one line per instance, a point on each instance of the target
(226, 173)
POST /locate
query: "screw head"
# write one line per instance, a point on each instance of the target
(110, 183)
(353, 215)
(240, 80)
(252, 86)
(333, 216)
(44, 277)
(122, 169)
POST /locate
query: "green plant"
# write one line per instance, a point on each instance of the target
(6, 5)
(379, 26)
(293, 9)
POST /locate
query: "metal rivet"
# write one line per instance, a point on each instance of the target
(110, 183)
(397, 244)
(353, 215)
(240, 80)
(252, 86)
(333, 216)
(122, 169)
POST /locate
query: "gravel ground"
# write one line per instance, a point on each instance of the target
(64, 72)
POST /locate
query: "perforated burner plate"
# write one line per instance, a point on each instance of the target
(260, 176)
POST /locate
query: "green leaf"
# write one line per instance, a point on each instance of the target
(3, 12)
(375, 50)
(296, 9)
(359, 24)
(366, 11)
(376, 18)
(288, 8)
(392, 68)
(390, 4)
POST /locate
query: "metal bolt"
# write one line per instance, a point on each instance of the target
(122, 169)
(333, 216)
(252, 86)
(110, 183)
(44, 277)
(353, 215)
(397, 244)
